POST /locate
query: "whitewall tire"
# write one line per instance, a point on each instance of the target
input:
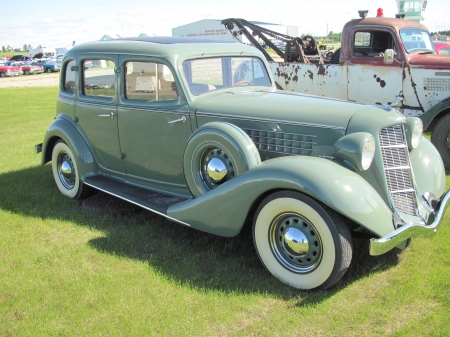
(300, 242)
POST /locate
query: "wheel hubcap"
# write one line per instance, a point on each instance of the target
(295, 243)
(216, 168)
(66, 170)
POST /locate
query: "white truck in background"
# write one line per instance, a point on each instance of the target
(386, 61)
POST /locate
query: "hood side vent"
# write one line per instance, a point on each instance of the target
(281, 142)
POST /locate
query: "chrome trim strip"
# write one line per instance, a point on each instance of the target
(275, 121)
(279, 132)
(390, 241)
(137, 204)
(156, 109)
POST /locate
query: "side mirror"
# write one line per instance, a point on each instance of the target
(389, 56)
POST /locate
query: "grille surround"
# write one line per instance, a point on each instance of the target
(396, 163)
(282, 142)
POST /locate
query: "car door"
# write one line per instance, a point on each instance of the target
(369, 79)
(154, 125)
(96, 112)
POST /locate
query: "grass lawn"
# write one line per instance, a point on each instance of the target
(69, 272)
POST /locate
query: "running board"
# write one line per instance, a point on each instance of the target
(153, 201)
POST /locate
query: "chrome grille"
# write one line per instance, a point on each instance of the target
(398, 172)
(281, 142)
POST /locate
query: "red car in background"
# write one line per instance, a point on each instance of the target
(10, 70)
(28, 69)
(442, 48)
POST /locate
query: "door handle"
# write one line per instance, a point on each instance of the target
(179, 120)
(110, 115)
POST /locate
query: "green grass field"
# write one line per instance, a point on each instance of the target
(69, 272)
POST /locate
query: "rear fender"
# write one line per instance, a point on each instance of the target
(223, 210)
(63, 129)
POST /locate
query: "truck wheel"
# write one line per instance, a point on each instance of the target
(48, 70)
(65, 172)
(440, 137)
(300, 242)
(336, 57)
(216, 153)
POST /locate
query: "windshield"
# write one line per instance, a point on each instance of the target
(210, 74)
(416, 40)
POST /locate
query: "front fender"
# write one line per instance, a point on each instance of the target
(223, 211)
(64, 129)
(429, 171)
(437, 110)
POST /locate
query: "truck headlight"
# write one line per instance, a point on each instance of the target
(414, 131)
(356, 151)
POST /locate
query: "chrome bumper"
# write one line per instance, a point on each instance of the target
(386, 243)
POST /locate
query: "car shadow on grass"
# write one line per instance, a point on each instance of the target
(181, 254)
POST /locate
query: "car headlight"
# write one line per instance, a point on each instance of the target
(356, 151)
(414, 131)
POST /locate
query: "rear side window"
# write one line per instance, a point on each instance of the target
(149, 81)
(99, 78)
(69, 77)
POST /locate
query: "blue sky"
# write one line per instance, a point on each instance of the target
(56, 24)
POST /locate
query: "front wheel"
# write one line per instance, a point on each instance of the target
(440, 137)
(65, 172)
(300, 242)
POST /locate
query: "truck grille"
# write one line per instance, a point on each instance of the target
(281, 142)
(396, 166)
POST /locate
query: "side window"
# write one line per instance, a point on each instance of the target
(69, 77)
(99, 78)
(149, 81)
(361, 44)
(372, 43)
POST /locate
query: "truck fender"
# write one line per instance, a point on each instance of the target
(64, 129)
(430, 116)
(223, 210)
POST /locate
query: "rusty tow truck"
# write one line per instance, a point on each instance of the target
(386, 61)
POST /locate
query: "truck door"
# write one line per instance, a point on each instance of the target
(369, 79)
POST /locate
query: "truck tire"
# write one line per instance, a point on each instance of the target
(336, 56)
(440, 137)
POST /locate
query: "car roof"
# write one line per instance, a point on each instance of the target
(167, 47)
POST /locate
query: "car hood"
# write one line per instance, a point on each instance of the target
(277, 105)
(431, 61)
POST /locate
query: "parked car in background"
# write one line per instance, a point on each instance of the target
(442, 48)
(10, 70)
(30, 69)
(19, 57)
(196, 131)
(49, 65)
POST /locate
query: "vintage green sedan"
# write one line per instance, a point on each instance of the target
(196, 131)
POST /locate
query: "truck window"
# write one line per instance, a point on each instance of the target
(99, 78)
(149, 81)
(416, 39)
(372, 43)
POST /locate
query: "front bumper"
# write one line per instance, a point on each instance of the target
(386, 243)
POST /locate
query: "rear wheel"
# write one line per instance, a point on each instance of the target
(65, 172)
(48, 70)
(302, 243)
(440, 137)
